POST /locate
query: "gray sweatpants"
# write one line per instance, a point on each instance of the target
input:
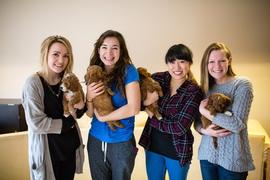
(111, 161)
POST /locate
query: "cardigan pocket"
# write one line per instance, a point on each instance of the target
(38, 171)
(80, 158)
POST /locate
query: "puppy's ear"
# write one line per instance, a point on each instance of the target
(67, 84)
(86, 78)
(211, 104)
(210, 100)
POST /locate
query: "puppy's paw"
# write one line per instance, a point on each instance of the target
(228, 113)
(66, 114)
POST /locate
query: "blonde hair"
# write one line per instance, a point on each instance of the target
(207, 81)
(45, 46)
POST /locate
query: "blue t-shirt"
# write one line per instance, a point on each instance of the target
(101, 130)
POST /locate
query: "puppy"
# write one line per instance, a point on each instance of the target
(217, 103)
(147, 84)
(103, 102)
(73, 92)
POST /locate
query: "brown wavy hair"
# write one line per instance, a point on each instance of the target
(117, 75)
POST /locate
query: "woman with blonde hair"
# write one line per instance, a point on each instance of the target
(54, 140)
(232, 159)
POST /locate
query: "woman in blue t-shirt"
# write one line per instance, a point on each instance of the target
(112, 152)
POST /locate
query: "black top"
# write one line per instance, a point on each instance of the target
(62, 145)
(161, 143)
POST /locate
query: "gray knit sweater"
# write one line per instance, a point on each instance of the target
(233, 151)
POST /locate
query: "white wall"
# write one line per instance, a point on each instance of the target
(150, 27)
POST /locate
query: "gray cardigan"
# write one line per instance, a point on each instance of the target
(233, 151)
(39, 125)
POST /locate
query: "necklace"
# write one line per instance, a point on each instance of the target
(57, 94)
(54, 91)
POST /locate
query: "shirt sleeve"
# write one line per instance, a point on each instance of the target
(240, 108)
(183, 119)
(131, 74)
(80, 112)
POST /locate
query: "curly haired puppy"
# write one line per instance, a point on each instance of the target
(72, 89)
(147, 84)
(217, 103)
(103, 102)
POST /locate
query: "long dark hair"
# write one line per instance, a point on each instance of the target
(117, 75)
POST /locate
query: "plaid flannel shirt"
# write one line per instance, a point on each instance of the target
(178, 113)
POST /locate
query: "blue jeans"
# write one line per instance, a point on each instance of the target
(212, 171)
(157, 164)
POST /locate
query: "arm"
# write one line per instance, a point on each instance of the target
(130, 109)
(77, 110)
(183, 119)
(212, 129)
(205, 112)
(150, 98)
(241, 103)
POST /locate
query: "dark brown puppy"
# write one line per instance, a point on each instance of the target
(217, 103)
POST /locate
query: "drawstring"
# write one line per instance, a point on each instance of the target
(104, 149)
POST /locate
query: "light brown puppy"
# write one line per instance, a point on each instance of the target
(217, 103)
(103, 102)
(147, 84)
(72, 89)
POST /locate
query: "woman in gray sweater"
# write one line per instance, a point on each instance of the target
(55, 145)
(232, 158)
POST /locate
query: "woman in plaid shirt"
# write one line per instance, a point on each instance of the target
(168, 142)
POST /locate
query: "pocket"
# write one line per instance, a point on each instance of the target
(38, 172)
(37, 158)
(80, 158)
(132, 145)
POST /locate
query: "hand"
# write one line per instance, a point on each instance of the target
(205, 112)
(203, 104)
(68, 96)
(79, 105)
(150, 98)
(210, 131)
(93, 90)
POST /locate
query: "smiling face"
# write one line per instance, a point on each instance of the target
(57, 58)
(178, 69)
(109, 52)
(218, 65)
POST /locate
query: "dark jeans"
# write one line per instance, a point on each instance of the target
(212, 171)
(116, 163)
